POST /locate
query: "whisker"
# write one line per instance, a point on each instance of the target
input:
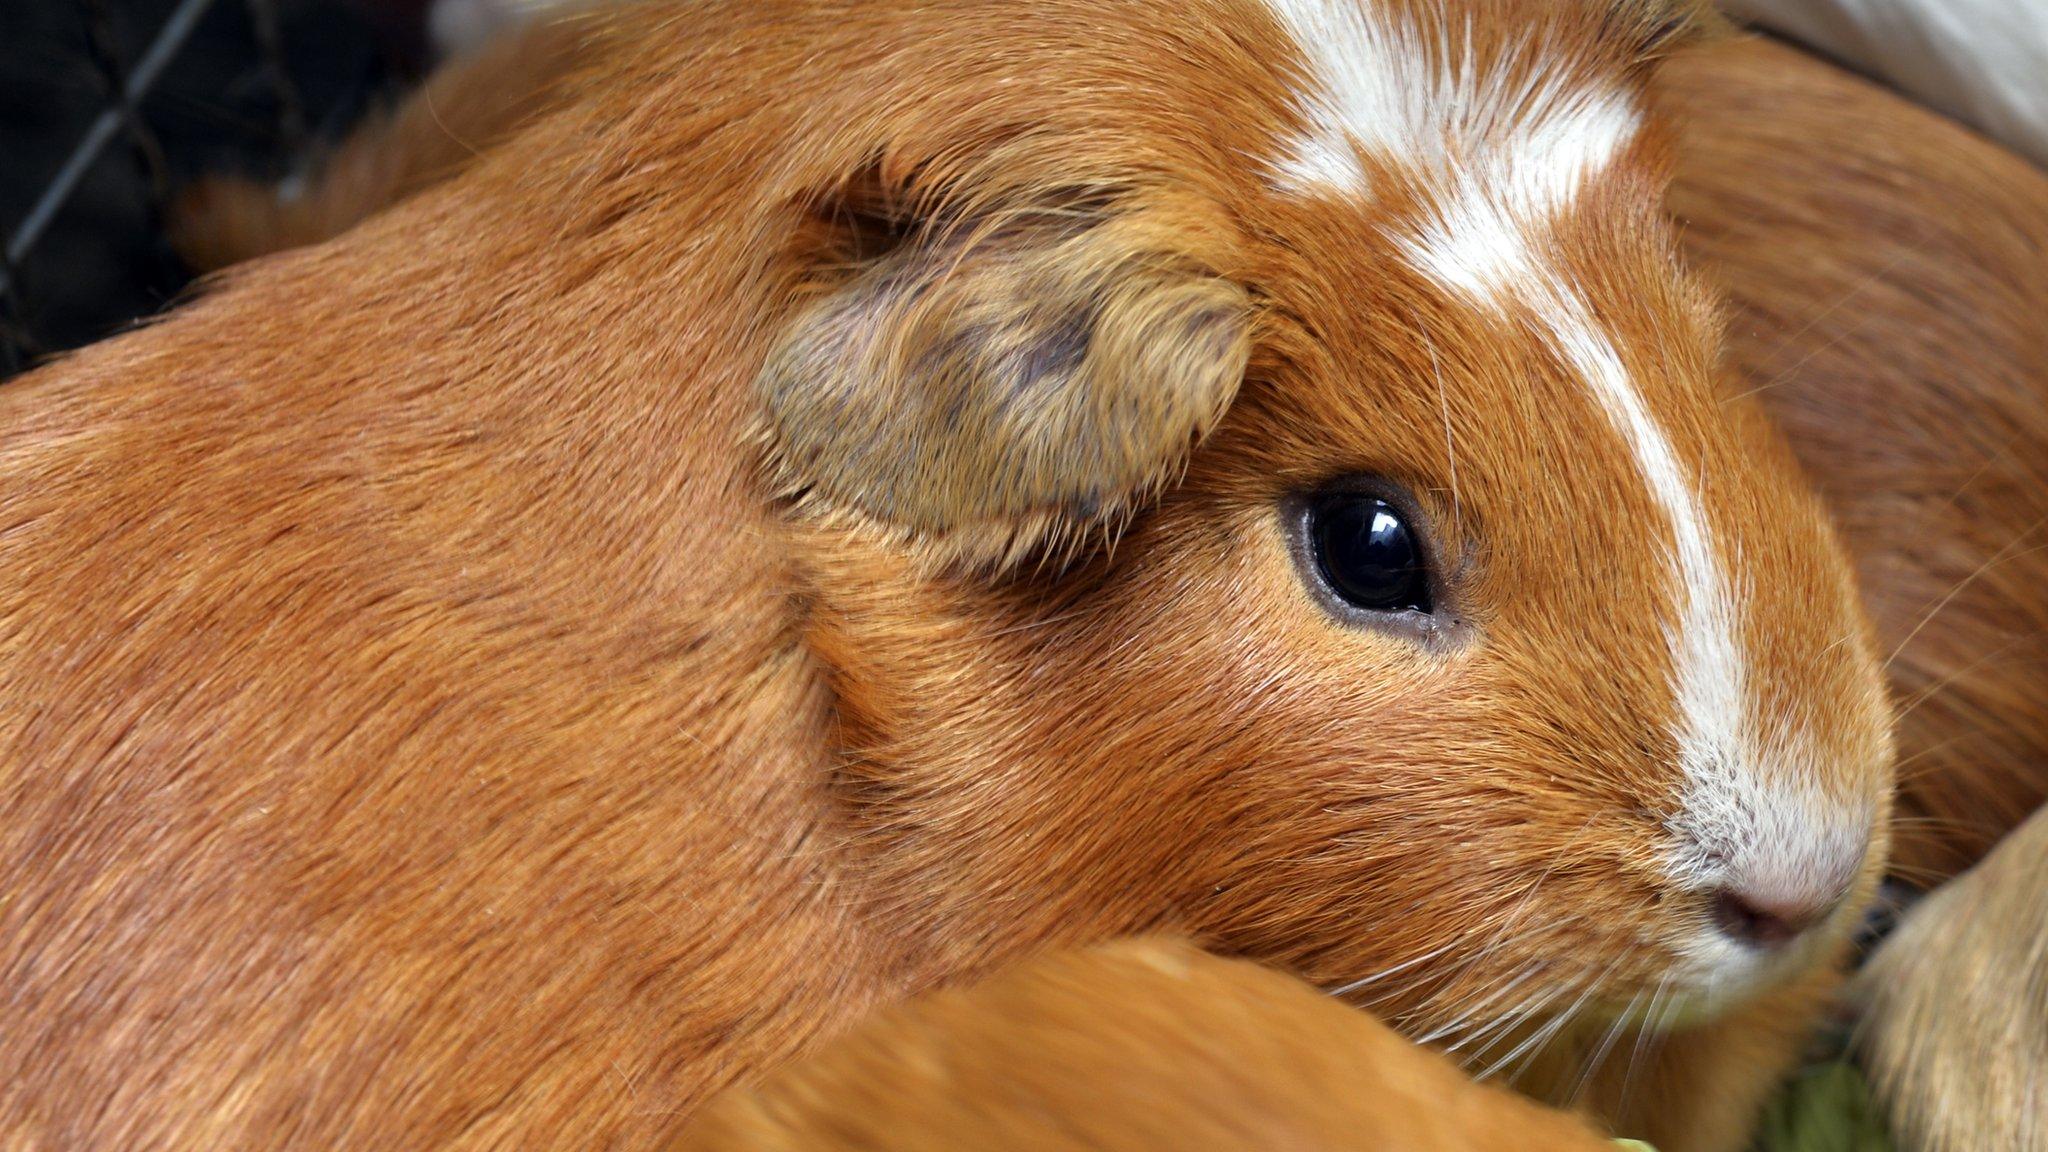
(1514, 914)
(1927, 877)
(1938, 823)
(1509, 1024)
(1543, 1036)
(1535, 1040)
(1650, 1024)
(1450, 450)
(1376, 977)
(1997, 558)
(1934, 689)
(1599, 1057)
(1465, 1016)
(1497, 1028)
(1529, 1046)
(1809, 326)
(1971, 480)
(1899, 768)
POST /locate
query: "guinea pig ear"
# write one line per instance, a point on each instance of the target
(1000, 382)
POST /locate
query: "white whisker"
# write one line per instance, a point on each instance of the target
(1997, 558)
(1515, 1021)
(1376, 977)
(1650, 1025)
(1544, 1035)
(1466, 1016)
(1443, 404)
(1599, 1056)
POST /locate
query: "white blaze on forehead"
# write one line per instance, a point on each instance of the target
(1502, 150)
(1380, 86)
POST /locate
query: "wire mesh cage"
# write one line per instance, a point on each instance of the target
(108, 108)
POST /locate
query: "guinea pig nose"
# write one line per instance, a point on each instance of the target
(1761, 921)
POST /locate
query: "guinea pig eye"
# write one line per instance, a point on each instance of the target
(1368, 552)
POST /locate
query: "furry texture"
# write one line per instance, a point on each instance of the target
(995, 387)
(427, 727)
(1143, 1044)
(1887, 273)
(1981, 61)
(1955, 1027)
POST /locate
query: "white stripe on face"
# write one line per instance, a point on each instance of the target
(1505, 149)
(1521, 137)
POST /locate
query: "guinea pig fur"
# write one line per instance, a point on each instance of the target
(841, 500)
(1885, 312)
(1146, 1046)
(1955, 1026)
(1128, 1047)
(1886, 286)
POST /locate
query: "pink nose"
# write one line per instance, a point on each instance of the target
(1762, 921)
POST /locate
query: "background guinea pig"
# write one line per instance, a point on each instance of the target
(1955, 1029)
(1980, 61)
(856, 493)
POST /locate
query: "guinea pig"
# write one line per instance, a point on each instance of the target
(1129, 1047)
(1845, 267)
(851, 494)
(1892, 335)
(1979, 61)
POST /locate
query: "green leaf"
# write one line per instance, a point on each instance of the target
(1825, 1108)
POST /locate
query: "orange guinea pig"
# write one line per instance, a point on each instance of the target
(853, 493)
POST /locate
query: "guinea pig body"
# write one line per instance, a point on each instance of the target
(855, 493)
(1135, 1045)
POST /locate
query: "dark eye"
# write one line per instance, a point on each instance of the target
(1368, 553)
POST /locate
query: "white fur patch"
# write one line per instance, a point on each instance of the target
(1372, 89)
(1506, 155)
(1518, 141)
(1726, 805)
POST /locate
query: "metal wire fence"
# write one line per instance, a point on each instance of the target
(107, 107)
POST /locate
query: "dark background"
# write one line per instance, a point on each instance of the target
(254, 87)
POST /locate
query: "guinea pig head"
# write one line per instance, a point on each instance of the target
(1261, 470)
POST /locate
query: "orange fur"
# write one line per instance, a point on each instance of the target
(1144, 1044)
(427, 727)
(1925, 423)
(1886, 272)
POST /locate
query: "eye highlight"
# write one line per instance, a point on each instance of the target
(1368, 552)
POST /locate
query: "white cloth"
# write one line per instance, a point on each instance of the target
(1984, 62)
